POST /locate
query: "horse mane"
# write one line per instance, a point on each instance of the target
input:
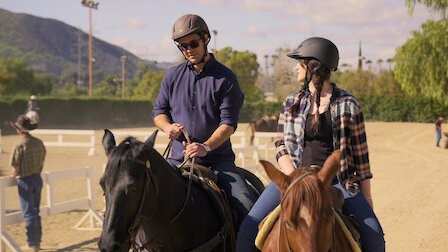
(308, 192)
(122, 154)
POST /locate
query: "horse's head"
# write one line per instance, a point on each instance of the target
(306, 213)
(124, 186)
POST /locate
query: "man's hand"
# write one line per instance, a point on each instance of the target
(195, 150)
(173, 131)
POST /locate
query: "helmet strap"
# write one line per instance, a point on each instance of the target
(308, 80)
(205, 51)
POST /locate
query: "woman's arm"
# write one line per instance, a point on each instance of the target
(365, 189)
(285, 164)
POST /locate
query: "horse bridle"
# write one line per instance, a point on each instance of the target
(281, 211)
(135, 222)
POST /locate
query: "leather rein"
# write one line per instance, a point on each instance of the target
(281, 211)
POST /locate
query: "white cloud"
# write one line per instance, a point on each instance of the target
(253, 31)
(122, 42)
(133, 23)
(299, 28)
(165, 51)
(261, 5)
(212, 3)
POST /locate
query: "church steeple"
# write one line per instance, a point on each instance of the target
(360, 58)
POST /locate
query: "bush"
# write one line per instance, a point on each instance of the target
(97, 113)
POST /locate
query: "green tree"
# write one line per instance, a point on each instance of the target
(245, 66)
(285, 78)
(109, 87)
(144, 68)
(440, 6)
(16, 76)
(357, 82)
(421, 63)
(70, 90)
(149, 86)
(379, 61)
(43, 84)
(386, 84)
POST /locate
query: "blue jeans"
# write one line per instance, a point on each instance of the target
(439, 136)
(239, 195)
(29, 196)
(368, 226)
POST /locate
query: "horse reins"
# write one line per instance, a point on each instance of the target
(135, 223)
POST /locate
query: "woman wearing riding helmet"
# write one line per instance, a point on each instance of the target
(315, 121)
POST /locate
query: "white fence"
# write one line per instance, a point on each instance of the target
(144, 134)
(60, 138)
(51, 208)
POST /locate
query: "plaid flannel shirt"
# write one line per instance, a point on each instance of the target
(28, 155)
(348, 135)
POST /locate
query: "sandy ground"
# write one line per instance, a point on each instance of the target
(409, 189)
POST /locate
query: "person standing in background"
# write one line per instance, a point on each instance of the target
(27, 161)
(32, 104)
(439, 130)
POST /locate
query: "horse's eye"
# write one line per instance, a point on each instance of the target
(288, 225)
(133, 188)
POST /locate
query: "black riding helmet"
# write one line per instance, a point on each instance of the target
(318, 48)
(189, 24)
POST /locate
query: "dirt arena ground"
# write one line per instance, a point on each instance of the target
(409, 189)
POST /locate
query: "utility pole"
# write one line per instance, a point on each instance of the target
(123, 61)
(215, 32)
(79, 82)
(91, 5)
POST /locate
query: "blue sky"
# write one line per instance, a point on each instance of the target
(144, 26)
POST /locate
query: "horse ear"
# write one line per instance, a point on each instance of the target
(108, 141)
(152, 139)
(331, 166)
(278, 177)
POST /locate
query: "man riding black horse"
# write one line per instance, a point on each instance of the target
(203, 96)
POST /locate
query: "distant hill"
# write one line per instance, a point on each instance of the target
(51, 46)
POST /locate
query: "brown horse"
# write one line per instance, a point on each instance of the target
(263, 124)
(306, 221)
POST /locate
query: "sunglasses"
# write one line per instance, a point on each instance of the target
(184, 46)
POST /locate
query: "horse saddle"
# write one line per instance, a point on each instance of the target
(199, 170)
(207, 180)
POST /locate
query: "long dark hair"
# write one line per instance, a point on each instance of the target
(319, 74)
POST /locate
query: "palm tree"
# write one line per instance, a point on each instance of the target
(215, 33)
(266, 63)
(379, 61)
(390, 61)
(346, 66)
(369, 64)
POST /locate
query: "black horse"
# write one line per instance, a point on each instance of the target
(152, 207)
